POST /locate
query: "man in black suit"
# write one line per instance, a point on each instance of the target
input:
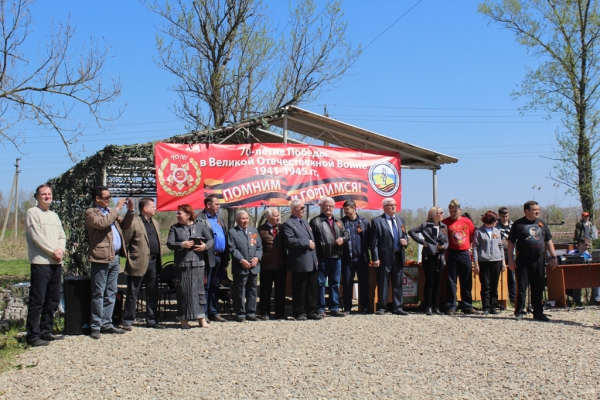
(302, 263)
(245, 247)
(388, 241)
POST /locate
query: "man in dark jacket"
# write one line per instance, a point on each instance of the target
(302, 263)
(330, 237)
(272, 265)
(356, 258)
(388, 240)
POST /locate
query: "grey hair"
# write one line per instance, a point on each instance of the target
(326, 199)
(239, 214)
(387, 200)
(269, 212)
(295, 203)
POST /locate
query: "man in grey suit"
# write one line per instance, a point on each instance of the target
(245, 247)
(302, 263)
(388, 241)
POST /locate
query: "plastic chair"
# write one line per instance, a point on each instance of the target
(166, 286)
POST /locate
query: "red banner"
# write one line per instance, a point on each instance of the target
(272, 174)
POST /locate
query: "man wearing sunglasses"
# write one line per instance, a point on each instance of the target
(106, 243)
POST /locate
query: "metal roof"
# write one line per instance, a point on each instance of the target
(337, 133)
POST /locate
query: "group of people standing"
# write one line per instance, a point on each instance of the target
(325, 252)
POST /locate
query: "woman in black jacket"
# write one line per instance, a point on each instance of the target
(184, 238)
(435, 243)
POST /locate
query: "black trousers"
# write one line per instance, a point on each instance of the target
(305, 292)
(44, 296)
(134, 284)
(349, 269)
(530, 271)
(268, 278)
(244, 294)
(395, 273)
(433, 269)
(489, 275)
(459, 266)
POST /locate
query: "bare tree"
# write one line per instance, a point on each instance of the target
(45, 90)
(230, 63)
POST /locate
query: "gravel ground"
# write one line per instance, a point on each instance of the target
(360, 356)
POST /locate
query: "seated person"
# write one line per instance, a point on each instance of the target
(583, 245)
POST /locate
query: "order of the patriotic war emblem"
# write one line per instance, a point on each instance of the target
(384, 178)
(179, 177)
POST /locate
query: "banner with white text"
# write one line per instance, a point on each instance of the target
(270, 174)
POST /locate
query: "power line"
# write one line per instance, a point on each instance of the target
(393, 23)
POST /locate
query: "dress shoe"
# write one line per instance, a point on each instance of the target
(300, 317)
(127, 328)
(241, 318)
(519, 317)
(337, 313)
(264, 317)
(38, 342)
(316, 317)
(380, 312)
(322, 314)
(428, 311)
(471, 311)
(400, 312)
(217, 318)
(494, 311)
(541, 317)
(437, 311)
(112, 329)
(95, 335)
(50, 337)
(154, 326)
(451, 313)
(252, 318)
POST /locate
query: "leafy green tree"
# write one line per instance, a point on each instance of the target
(565, 36)
(45, 88)
(231, 62)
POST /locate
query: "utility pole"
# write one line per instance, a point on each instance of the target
(14, 190)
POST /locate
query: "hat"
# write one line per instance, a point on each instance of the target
(585, 214)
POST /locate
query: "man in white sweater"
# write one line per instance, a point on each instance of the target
(46, 246)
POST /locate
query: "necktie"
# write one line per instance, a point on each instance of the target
(396, 235)
(274, 231)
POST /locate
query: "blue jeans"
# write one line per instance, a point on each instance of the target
(212, 287)
(595, 294)
(330, 270)
(104, 293)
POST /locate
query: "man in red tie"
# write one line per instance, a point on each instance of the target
(273, 265)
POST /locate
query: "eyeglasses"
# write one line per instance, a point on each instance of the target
(106, 198)
(181, 212)
(301, 208)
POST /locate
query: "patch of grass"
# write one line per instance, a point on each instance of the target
(11, 345)
(13, 271)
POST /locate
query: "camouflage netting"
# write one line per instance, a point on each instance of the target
(127, 171)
